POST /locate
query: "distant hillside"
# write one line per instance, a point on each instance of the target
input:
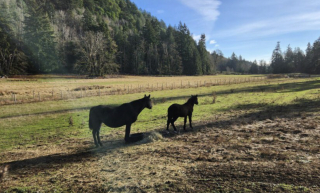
(98, 37)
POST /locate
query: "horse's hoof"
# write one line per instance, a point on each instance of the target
(101, 145)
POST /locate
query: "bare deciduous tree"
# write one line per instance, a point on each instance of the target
(95, 59)
(6, 61)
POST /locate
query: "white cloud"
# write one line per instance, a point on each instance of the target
(196, 37)
(210, 50)
(212, 42)
(160, 11)
(207, 8)
(282, 25)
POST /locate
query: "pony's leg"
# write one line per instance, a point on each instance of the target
(190, 120)
(185, 120)
(94, 133)
(127, 135)
(98, 136)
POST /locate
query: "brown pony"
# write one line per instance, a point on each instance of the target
(176, 110)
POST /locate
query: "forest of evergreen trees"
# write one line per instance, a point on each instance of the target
(296, 61)
(99, 37)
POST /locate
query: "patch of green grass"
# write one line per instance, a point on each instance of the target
(291, 188)
(19, 189)
(63, 105)
(48, 122)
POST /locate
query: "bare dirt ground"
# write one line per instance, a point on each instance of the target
(276, 150)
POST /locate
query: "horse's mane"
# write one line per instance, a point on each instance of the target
(190, 99)
(137, 104)
(135, 101)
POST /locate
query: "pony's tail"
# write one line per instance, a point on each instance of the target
(90, 119)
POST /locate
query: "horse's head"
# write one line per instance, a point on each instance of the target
(194, 99)
(148, 101)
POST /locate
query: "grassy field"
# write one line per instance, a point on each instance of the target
(250, 136)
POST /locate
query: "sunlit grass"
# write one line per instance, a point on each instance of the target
(48, 122)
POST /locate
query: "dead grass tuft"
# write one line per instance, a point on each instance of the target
(94, 87)
(152, 137)
(4, 170)
(270, 154)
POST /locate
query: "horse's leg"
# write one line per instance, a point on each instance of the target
(190, 120)
(168, 123)
(127, 135)
(172, 122)
(95, 132)
(185, 120)
(98, 136)
(169, 119)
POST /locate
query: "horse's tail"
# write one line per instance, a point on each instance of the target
(169, 112)
(90, 119)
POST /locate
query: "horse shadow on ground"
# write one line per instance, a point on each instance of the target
(56, 161)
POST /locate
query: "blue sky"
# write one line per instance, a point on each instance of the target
(250, 28)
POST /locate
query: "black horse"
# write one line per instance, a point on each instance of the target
(125, 114)
(176, 110)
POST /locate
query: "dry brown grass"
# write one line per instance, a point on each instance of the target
(66, 87)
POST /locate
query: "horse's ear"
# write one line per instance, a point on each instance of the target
(145, 95)
(191, 95)
(149, 96)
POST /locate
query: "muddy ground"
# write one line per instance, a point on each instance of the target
(275, 150)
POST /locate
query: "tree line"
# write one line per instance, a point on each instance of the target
(95, 37)
(296, 60)
(99, 37)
